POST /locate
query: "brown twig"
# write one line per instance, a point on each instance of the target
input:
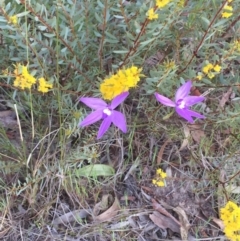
(230, 26)
(103, 28)
(204, 36)
(136, 43)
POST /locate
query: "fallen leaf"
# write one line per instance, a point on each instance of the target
(160, 153)
(70, 217)
(164, 222)
(102, 205)
(158, 207)
(196, 132)
(219, 222)
(185, 225)
(225, 98)
(110, 213)
(187, 135)
(195, 91)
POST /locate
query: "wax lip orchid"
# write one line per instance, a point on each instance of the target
(182, 102)
(105, 111)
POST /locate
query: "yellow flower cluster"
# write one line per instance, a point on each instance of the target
(227, 10)
(44, 86)
(169, 65)
(230, 216)
(236, 45)
(209, 70)
(160, 176)
(13, 19)
(151, 14)
(162, 3)
(120, 82)
(24, 80)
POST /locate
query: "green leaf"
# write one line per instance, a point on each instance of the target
(95, 170)
(22, 14)
(147, 41)
(120, 51)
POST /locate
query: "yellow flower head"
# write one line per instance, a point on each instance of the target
(162, 3)
(236, 45)
(228, 210)
(160, 176)
(169, 65)
(206, 69)
(13, 19)
(120, 82)
(44, 86)
(151, 14)
(210, 75)
(199, 76)
(227, 11)
(217, 68)
(230, 216)
(22, 77)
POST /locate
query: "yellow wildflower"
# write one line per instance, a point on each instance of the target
(13, 19)
(161, 173)
(120, 82)
(151, 14)
(158, 183)
(227, 211)
(199, 76)
(44, 86)
(23, 78)
(230, 216)
(160, 176)
(207, 68)
(228, 12)
(162, 3)
(217, 68)
(210, 75)
(236, 45)
(169, 65)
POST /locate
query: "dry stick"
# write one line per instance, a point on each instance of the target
(230, 26)
(103, 27)
(19, 123)
(136, 43)
(204, 36)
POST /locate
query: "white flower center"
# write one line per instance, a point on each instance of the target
(182, 105)
(107, 112)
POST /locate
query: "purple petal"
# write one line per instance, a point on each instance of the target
(104, 127)
(92, 118)
(192, 100)
(94, 103)
(184, 113)
(187, 114)
(164, 100)
(183, 91)
(195, 114)
(119, 99)
(119, 120)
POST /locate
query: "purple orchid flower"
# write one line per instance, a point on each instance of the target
(182, 102)
(106, 112)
